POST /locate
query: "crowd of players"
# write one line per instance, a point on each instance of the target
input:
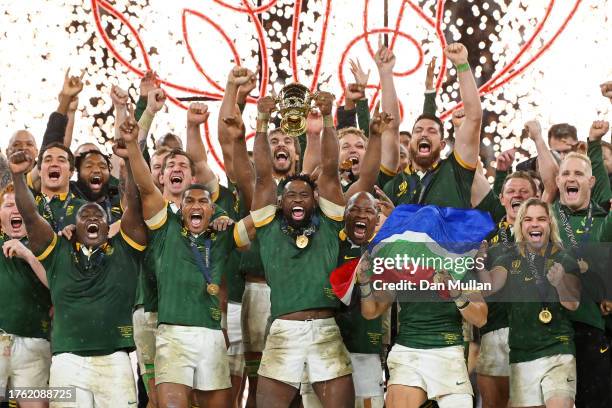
(222, 288)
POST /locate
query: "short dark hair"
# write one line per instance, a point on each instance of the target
(178, 152)
(299, 177)
(405, 133)
(561, 131)
(78, 161)
(196, 186)
(431, 117)
(57, 145)
(520, 174)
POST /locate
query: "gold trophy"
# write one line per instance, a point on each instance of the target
(294, 103)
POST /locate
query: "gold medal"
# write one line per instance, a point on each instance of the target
(301, 241)
(545, 316)
(212, 289)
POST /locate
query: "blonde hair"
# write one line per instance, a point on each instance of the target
(8, 189)
(352, 130)
(580, 156)
(554, 237)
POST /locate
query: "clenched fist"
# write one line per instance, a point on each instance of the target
(119, 96)
(324, 101)
(20, 162)
(599, 128)
(457, 53)
(533, 129)
(197, 114)
(156, 100)
(239, 76)
(266, 105)
(606, 90)
(380, 121)
(458, 118)
(555, 274)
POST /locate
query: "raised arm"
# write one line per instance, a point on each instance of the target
(132, 222)
(547, 165)
(265, 187)
(155, 102)
(242, 171)
(329, 180)
(238, 78)
(197, 114)
(151, 198)
(72, 108)
(467, 137)
(40, 233)
(370, 165)
(385, 61)
(312, 154)
(429, 102)
(601, 192)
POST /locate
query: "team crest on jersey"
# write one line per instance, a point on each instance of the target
(549, 263)
(69, 210)
(402, 188)
(516, 265)
(44, 325)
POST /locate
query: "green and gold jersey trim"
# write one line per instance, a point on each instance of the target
(263, 216)
(388, 172)
(159, 219)
(331, 210)
(48, 250)
(462, 163)
(241, 236)
(214, 187)
(131, 242)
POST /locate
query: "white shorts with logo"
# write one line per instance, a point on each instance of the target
(494, 354)
(24, 362)
(438, 372)
(145, 327)
(534, 382)
(255, 315)
(310, 349)
(192, 356)
(235, 352)
(99, 381)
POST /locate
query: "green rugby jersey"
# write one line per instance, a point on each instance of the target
(181, 288)
(497, 316)
(60, 210)
(24, 301)
(598, 260)
(299, 277)
(529, 338)
(360, 335)
(93, 296)
(148, 281)
(432, 324)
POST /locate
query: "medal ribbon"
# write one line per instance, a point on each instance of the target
(421, 185)
(570, 232)
(307, 232)
(57, 227)
(540, 280)
(202, 262)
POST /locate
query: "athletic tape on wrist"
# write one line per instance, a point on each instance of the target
(463, 67)
(328, 121)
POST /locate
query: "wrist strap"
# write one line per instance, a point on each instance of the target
(463, 67)
(328, 121)
(263, 116)
(262, 126)
(365, 290)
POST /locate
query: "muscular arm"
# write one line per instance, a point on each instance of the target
(476, 311)
(496, 277)
(312, 153)
(195, 148)
(245, 176)
(390, 137)
(569, 291)
(227, 109)
(40, 233)
(38, 269)
(329, 180)
(151, 197)
(132, 222)
(265, 187)
(467, 138)
(370, 166)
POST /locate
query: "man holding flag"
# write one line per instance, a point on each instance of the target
(428, 359)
